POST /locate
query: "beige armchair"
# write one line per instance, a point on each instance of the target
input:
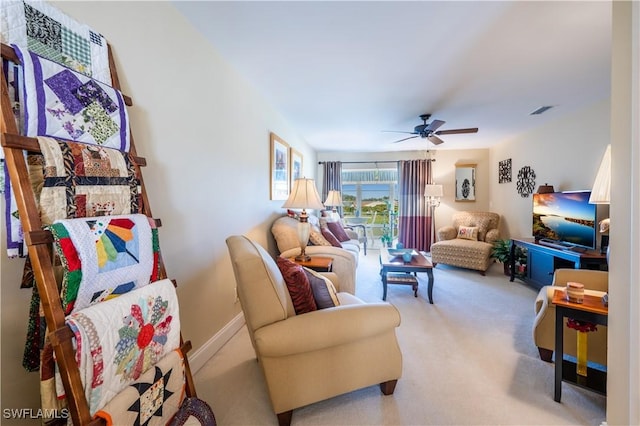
(473, 251)
(595, 283)
(317, 355)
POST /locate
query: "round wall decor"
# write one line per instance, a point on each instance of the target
(526, 181)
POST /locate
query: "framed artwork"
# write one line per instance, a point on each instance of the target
(504, 171)
(526, 183)
(279, 168)
(465, 182)
(296, 166)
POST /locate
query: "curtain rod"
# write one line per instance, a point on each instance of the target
(371, 162)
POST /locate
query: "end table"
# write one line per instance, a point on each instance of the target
(317, 263)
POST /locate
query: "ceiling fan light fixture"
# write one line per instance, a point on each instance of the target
(541, 110)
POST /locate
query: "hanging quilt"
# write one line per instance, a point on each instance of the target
(151, 400)
(119, 339)
(104, 257)
(65, 104)
(47, 31)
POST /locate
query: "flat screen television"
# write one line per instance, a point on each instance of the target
(566, 218)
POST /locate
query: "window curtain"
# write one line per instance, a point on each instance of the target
(415, 222)
(332, 180)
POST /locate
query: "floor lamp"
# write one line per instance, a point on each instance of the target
(432, 194)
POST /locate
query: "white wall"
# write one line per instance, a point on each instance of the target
(205, 134)
(565, 153)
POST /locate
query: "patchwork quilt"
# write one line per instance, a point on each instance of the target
(104, 257)
(65, 104)
(47, 31)
(151, 400)
(120, 339)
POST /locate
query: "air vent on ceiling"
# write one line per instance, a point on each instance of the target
(541, 110)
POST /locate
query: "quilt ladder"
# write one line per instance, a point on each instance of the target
(39, 243)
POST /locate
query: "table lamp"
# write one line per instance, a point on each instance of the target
(304, 195)
(601, 194)
(334, 199)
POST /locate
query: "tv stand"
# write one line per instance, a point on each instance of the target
(545, 256)
(561, 245)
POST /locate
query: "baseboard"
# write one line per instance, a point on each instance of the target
(200, 356)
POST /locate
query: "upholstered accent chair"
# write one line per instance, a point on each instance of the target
(468, 242)
(596, 283)
(313, 356)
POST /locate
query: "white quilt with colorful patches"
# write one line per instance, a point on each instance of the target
(103, 256)
(119, 339)
(47, 31)
(65, 104)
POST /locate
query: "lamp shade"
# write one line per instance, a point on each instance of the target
(334, 199)
(601, 191)
(432, 190)
(304, 195)
(545, 189)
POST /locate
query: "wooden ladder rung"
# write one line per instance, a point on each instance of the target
(34, 238)
(31, 144)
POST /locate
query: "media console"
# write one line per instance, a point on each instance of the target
(543, 258)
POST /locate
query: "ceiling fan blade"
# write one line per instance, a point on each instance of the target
(433, 125)
(457, 131)
(435, 140)
(410, 137)
(398, 131)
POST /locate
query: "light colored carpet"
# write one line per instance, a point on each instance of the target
(468, 359)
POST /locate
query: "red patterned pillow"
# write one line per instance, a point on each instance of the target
(328, 235)
(298, 286)
(337, 230)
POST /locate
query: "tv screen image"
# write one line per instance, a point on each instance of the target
(565, 217)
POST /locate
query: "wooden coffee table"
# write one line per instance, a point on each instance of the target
(390, 264)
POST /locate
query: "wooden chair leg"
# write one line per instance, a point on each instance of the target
(284, 419)
(387, 388)
(545, 354)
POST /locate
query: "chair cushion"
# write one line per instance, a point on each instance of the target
(337, 230)
(324, 292)
(468, 233)
(326, 233)
(298, 286)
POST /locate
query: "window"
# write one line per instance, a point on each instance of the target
(369, 196)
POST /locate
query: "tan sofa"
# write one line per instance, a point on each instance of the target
(465, 253)
(317, 355)
(595, 283)
(345, 260)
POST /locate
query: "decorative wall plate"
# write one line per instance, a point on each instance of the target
(526, 181)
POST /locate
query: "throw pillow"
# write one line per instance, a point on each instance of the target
(337, 230)
(468, 233)
(328, 235)
(316, 238)
(298, 286)
(324, 292)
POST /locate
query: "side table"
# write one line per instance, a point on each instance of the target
(317, 263)
(591, 310)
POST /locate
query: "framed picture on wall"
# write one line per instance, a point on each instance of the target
(279, 168)
(296, 166)
(465, 182)
(504, 171)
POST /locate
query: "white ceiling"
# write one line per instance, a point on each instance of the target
(341, 72)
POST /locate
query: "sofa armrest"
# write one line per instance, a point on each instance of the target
(492, 236)
(447, 233)
(325, 328)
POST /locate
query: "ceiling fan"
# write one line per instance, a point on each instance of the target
(428, 131)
